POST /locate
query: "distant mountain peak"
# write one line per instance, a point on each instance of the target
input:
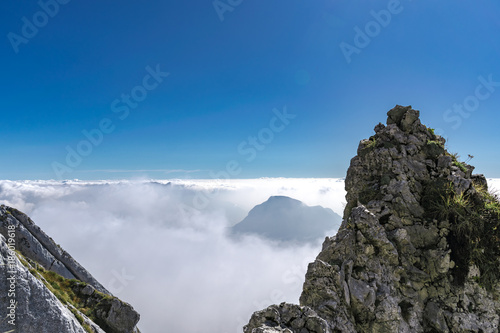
(283, 198)
(283, 218)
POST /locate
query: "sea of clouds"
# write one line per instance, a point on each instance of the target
(161, 245)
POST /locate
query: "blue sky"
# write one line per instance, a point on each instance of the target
(234, 67)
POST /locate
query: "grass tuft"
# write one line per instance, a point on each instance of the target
(475, 228)
(460, 165)
(67, 291)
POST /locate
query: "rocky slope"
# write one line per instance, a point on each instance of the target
(418, 249)
(51, 292)
(285, 219)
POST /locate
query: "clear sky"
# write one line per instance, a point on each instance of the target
(176, 89)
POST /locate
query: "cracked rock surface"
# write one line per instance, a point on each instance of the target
(392, 267)
(38, 310)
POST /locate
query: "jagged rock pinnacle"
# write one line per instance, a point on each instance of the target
(418, 249)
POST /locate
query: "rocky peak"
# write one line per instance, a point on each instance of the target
(418, 249)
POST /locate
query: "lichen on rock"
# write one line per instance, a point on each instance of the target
(418, 249)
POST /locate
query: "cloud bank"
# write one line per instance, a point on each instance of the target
(162, 245)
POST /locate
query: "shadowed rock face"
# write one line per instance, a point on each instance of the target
(38, 310)
(396, 263)
(285, 219)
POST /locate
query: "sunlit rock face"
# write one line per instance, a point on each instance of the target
(418, 249)
(49, 289)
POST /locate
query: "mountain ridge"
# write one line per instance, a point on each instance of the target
(51, 291)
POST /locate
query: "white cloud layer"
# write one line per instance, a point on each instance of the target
(161, 245)
(494, 185)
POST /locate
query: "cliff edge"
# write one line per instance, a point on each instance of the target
(418, 249)
(44, 290)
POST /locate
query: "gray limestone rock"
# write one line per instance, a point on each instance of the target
(396, 263)
(286, 318)
(38, 309)
(33, 243)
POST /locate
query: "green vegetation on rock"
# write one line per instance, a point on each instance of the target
(434, 148)
(369, 146)
(69, 292)
(474, 219)
(460, 165)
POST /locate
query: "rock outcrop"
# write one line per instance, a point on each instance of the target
(49, 290)
(418, 249)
